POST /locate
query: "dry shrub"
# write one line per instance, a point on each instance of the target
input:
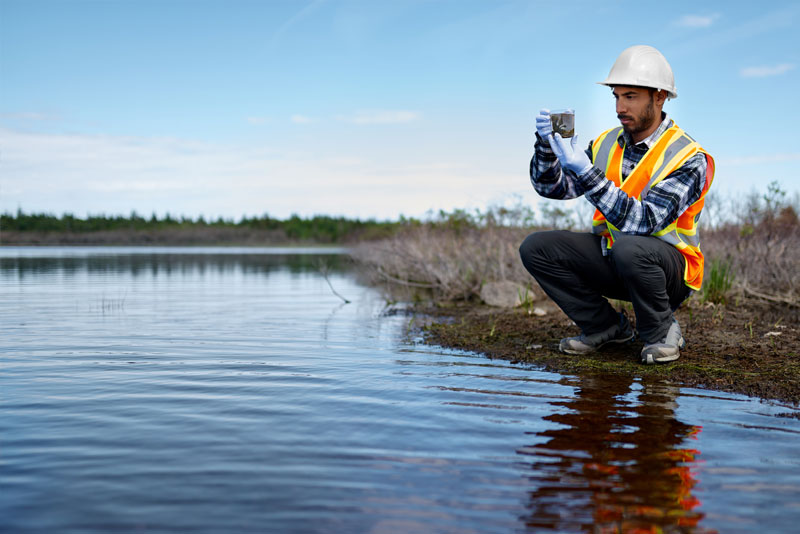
(764, 260)
(759, 237)
(755, 240)
(765, 257)
(446, 263)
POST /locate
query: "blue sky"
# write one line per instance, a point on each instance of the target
(362, 108)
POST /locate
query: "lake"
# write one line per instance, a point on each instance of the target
(216, 390)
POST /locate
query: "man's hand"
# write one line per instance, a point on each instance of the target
(569, 154)
(543, 125)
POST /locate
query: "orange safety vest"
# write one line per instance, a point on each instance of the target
(672, 149)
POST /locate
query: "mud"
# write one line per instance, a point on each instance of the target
(750, 348)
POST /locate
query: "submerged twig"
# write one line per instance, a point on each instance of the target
(322, 267)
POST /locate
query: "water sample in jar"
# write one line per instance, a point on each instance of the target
(563, 121)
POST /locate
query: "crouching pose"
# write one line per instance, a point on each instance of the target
(647, 180)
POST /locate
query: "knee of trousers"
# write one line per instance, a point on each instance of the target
(536, 247)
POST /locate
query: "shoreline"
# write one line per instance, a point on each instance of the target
(226, 245)
(750, 348)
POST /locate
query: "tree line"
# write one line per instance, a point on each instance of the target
(319, 228)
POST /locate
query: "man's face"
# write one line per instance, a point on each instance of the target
(636, 108)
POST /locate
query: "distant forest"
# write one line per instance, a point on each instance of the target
(40, 228)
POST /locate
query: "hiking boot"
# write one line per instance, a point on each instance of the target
(666, 350)
(583, 344)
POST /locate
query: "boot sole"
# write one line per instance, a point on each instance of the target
(576, 352)
(650, 359)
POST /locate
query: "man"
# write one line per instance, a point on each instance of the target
(647, 180)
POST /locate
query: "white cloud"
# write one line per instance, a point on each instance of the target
(697, 21)
(114, 174)
(84, 174)
(301, 119)
(257, 120)
(381, 117)
(766, 70)
(750, 29)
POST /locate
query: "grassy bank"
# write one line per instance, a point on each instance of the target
(742, 327)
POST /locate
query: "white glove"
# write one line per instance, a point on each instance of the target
(543, 125)
(570, 154)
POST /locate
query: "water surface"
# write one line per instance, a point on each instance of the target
(229, 390)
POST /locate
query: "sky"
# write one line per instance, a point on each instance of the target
(363, 108)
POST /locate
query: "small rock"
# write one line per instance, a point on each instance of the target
(508, 294)
(768, 334)
(539, 311)
(504, 294)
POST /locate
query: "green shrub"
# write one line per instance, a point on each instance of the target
(720, 281)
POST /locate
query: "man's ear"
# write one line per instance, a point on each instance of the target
(661, 97)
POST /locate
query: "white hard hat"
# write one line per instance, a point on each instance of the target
(643, 66)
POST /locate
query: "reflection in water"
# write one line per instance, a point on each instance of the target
(232, 391)
(165, 263)
(619, 462)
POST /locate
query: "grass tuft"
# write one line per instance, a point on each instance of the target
(720, 281)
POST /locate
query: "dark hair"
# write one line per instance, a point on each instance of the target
(650, 89)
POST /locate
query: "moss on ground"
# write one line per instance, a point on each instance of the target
(750, 348)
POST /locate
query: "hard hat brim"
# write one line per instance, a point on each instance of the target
(611, 83)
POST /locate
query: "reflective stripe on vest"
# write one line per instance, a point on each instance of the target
(671, 150)
(602, 146)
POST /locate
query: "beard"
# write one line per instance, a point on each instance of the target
(642, 122)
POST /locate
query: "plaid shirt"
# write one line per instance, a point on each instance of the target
(661, 206)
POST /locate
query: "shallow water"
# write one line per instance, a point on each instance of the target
(229, 390)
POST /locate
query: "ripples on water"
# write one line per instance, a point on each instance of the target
(185, 390)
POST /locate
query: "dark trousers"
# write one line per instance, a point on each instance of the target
(571, 269)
